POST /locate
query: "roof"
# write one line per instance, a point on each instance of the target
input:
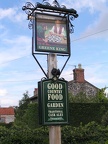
(35, 97)
(7, 111)
(73, 81)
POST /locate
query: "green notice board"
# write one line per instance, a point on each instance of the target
(53, 102)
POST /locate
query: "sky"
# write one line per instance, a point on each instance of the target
(19, 71)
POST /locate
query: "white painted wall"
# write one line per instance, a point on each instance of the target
(8, 118)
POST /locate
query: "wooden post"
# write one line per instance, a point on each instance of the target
(54, 135)
(54, 131)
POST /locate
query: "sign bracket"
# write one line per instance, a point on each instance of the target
(40, 65)
(34, 55)
(46, 7)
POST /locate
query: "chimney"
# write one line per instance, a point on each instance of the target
(35, 91)
(78, 74)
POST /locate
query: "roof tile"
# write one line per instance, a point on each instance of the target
(7, 111)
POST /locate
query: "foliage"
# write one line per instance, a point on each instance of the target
(31, 116)
(4, 135)
(86, 112)
(23, 135)
(24, 101)
(81, 131)
(23, 106)
(83, 98)
(101, 96)
(92, 133)
(27, 113)
(105, 119)
(7, 125)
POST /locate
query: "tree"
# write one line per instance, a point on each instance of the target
(25, 100)
(83, 98)
(31, 116)
(102, 95)
(23, 105)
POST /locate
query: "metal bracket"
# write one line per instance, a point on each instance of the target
(34, 55)
(47, 7)
(39, 64)
(53, 8)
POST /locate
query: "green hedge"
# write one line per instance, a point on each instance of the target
(19, 135)
(86, 112)
(92, 133)
(78, 113)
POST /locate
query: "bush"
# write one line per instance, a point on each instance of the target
(92, 133)
(105, 119)
(19, 135)
(9, 125)
(86, 112)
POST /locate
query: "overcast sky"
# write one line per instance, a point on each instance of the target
(89, 46)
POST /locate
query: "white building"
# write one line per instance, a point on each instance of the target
(7, 115)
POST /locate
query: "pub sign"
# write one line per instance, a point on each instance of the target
(51, 33)
(53, 102)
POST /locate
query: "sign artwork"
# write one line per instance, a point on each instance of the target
(51, 34)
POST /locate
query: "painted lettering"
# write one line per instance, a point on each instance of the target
(55, 96)
(55, 105)
(54, 86)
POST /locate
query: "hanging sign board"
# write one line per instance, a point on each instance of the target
(53, 102)
(51, 33)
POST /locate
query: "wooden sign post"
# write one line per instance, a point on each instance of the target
(51, 26)
(54, 131)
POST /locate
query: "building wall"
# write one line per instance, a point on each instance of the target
(8, 118)
(79, 84)
(86, 88)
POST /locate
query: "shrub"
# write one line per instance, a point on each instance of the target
(92, 133)
(105, 119)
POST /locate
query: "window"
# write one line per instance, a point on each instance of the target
(2, 120)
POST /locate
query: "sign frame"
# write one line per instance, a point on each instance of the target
(58, 114)
(44, 40)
